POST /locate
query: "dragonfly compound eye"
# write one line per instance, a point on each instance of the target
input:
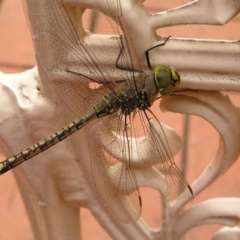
(166, 78)
(175, 76)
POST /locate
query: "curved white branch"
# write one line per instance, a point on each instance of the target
(232, 233)
(213, 12)
(224, 211)
(212, 107)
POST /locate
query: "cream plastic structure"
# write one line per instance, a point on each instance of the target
(56, 183)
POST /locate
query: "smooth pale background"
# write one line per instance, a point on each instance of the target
(17, 55)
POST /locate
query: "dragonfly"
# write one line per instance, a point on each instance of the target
(133, 132)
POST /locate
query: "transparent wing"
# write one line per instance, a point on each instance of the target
(155, 156)
(113, 171)
(128, 59)
(121, 146)
(70, 65)
(63, 52)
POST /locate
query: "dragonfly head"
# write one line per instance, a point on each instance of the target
(166, 78)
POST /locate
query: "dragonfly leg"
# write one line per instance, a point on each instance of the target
(147, 51)
(93, 80)
(121, 67)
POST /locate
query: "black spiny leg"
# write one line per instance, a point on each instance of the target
(150, 67)
(147, 51)
(129, 69)
(93, 80)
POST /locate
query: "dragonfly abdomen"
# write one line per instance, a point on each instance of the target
(100, 109)
(46, 143)
(106, 106)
